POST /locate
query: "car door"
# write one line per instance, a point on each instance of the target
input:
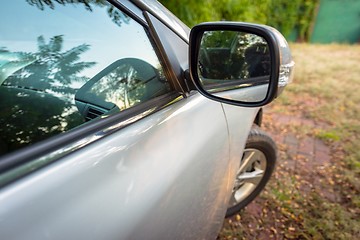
(114, 152)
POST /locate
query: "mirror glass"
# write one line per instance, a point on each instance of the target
(234, 65)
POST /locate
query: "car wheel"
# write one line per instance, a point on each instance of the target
(255, 169)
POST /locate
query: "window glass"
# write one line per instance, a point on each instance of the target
(64, 63)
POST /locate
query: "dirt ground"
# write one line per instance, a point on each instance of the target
(314, 192)
(305, 174)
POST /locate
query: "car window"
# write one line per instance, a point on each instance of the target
(64, 63)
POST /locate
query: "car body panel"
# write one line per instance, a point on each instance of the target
(120, 187)
(240, 121)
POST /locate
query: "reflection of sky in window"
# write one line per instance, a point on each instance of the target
(23, 24)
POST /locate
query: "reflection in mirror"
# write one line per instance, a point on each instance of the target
(234, 65)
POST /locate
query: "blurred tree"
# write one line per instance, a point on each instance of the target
(290, 17)
(243, 10)
(192, 12)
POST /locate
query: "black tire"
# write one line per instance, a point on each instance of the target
(263, 152)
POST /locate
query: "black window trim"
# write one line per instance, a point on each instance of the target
(129, 8)
(150, 30)
(165, 55)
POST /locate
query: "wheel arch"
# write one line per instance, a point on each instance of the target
(259, 117)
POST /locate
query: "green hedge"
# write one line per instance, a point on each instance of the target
(291, 17)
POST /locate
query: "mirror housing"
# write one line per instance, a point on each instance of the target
(239, 63)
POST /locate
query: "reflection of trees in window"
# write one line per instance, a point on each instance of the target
(122, 86)
(53, 70)
(10, 62)
(37, 100)
(117, 16)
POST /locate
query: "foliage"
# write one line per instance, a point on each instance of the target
(289, 17)
(192, 12)
(243, 10)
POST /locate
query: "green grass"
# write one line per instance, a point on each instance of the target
(326, 90)
(331, 135)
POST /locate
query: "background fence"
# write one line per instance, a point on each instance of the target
(337, 21)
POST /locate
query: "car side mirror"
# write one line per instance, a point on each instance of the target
(239, 63)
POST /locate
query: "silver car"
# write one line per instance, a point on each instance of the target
(119, 122)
